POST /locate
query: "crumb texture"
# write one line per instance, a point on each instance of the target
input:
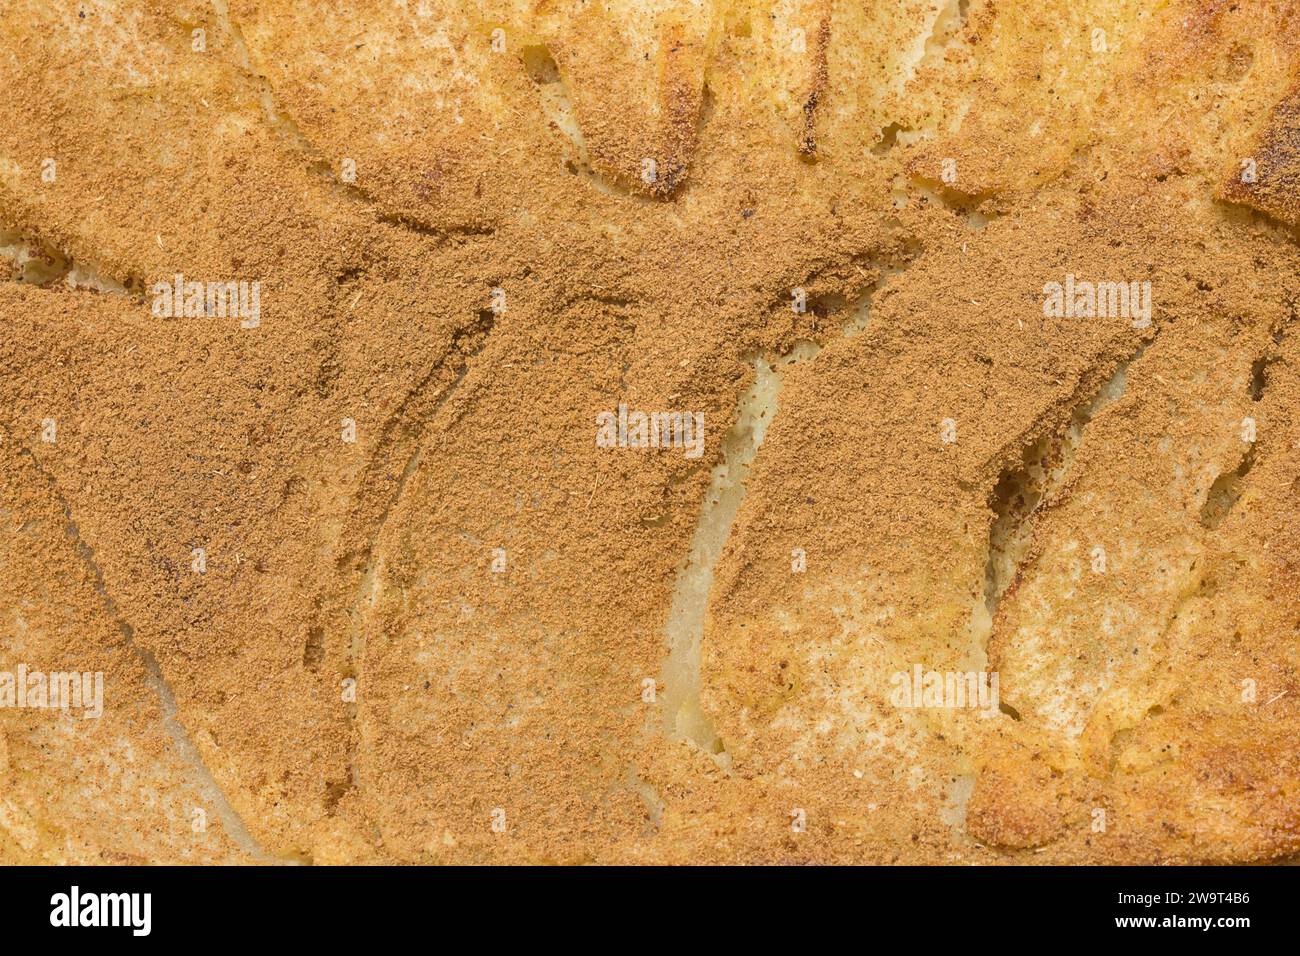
(592, 417)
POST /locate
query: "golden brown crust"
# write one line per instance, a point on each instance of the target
(1269, 178)
(430, 641)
